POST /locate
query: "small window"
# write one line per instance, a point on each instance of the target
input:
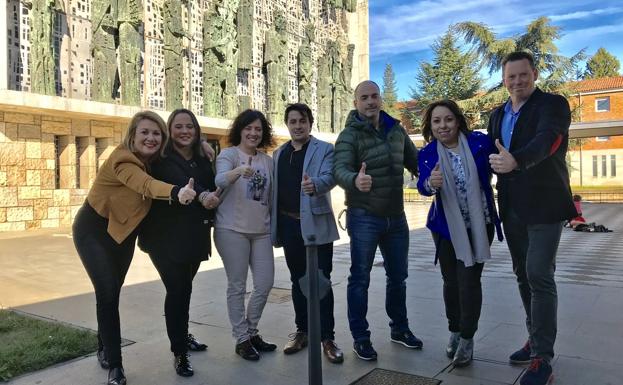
(602, 104)
(613, 165)
(57, 162)
(604, 171)
(602, 138)
(594, 166)
(82, 166)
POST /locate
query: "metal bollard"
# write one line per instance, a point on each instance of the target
(313, 311)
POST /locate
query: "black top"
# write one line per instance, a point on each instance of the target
(290, 169)
(172, 230)
(538, 191)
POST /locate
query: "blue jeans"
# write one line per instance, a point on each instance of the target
(391, 235)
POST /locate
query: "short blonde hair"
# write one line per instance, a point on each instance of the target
(128, 140)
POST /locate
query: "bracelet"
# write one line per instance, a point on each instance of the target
(203, 196)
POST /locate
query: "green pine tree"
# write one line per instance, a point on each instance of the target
(555, 70)
(390, 92)
(602, 64)
(452, 74)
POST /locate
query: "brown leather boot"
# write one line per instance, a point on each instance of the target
(297, 342)
(332, 351)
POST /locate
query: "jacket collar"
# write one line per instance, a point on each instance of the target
(355, 121)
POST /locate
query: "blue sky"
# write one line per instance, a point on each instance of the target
(402, 31)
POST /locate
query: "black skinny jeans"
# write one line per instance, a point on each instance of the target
(296, 259)
(106, 263)
(178, 280)
(462, 291)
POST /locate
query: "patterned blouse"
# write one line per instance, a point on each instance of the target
(461, 188)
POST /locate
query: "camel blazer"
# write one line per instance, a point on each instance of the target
(122, 192)
(316, 213)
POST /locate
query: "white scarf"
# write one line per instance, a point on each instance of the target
(476, 251)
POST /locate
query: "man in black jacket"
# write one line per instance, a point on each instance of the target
(531, 132)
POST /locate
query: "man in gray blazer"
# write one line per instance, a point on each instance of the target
(301, 205)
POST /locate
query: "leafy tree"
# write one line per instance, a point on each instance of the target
(390, 97)
(411, 120)
(602, 64)
(452, 74)
(555, 70)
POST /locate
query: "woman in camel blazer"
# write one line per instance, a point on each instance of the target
(106, 226)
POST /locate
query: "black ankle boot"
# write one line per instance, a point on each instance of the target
(261, 345)
(182, 365)
(195, 345)
(101, 358)
(246, 350)
(116, 376)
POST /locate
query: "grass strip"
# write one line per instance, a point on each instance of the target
(28, 344)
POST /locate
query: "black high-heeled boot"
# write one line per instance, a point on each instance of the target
(116, 376)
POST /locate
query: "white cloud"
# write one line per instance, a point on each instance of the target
(586, 14)
(413, 27)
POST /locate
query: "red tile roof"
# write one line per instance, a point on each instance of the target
(600, 84)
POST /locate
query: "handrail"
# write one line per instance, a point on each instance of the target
(593, 196)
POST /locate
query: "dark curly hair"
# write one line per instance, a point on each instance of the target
(245, 118)
(427, 131)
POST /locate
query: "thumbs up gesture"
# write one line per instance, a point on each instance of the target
(187, 193)
(363, 182)
(435, 179)
(503, 162)
(245, 170)
(307, 185)
(208, 150)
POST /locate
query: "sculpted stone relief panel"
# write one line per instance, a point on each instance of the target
(216, 56)
(43, 52)
(220, 55)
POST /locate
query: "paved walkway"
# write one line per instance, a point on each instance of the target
(41, 274)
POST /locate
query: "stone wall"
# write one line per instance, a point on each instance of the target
(36, 191)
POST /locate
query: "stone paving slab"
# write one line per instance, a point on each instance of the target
(41, 274)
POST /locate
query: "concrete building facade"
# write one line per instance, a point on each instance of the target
(52, 145)
(597, 161)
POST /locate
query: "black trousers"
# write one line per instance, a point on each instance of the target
(106, 263)
(296, 259)
(178, 280)
(462, 291)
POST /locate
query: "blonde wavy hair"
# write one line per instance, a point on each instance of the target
(128, 140)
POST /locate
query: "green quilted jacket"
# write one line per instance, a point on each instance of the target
(386, 155)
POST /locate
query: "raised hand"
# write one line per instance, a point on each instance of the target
(435, 179)
(307, 185)
(245, 170)
(210, 200)
(363, 181)
(208, 150)
(187, 193)
(504, 162)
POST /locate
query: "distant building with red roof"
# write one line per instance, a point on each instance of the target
(597, 161)
(598, 99)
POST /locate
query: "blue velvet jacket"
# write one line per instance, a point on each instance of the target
(481, 147)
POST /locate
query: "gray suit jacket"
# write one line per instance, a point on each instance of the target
(316, 213)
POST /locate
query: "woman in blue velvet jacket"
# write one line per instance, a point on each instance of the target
(454, 167)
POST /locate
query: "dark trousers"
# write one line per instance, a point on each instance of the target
(106, 263)
(533, 250)
(178, 280)
(296, 258)
(391, 234)
(462, 291)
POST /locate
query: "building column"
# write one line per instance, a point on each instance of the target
(4, 47)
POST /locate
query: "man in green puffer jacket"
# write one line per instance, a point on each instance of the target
(370, 155)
